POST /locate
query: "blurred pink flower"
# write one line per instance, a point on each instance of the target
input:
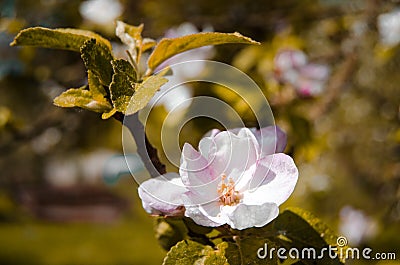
(292, 67)
(356, 225)
(238, 177)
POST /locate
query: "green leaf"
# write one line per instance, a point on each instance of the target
(244, 251)
(107, 115)
(80, 97)
(146, 91)
(97, 59)
(123, 66)
(304, 228)
(148, 43)
(189, 252)
(122, 86)
(195, 228)
(169, 231)
(185, 252)
(131, 36)
(215, 257)
(301, 229)
(5, 116)
(168, 47)
(63, 38)
(95, 86)
(134, 32)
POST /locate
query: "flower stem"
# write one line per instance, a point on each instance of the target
(237, 241)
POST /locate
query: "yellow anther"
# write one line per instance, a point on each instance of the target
(227, 192)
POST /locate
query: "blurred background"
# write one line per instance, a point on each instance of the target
(329, 69)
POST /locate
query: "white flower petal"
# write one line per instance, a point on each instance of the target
(202, 194)
(262, 179)
(206, 214)
(243, 216)
(234, 154)
(289, 59)
(208, 147)
(162, 195)
(274, 180)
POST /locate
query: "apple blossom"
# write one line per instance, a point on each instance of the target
(292, 67)
(356, 225)
(238, 177)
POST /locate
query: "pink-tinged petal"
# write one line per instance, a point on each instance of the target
(197, 175)
(274, 180)
(163, 195)
(244, 216)
(291, 76)
(308, 87)
(208, 148)
(315, 71)
(288, 59)
(234, 154)
(194, 168)
(202, 194)
(212, 133)
(236, 131)
(271, 140)
(206, 214)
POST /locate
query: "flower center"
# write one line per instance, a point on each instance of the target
(228, 194)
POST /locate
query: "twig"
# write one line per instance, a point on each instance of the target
(19, 136)
(146, 151)
(335, 86)
(348, 67)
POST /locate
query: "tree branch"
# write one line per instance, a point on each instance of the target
(146, 151)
